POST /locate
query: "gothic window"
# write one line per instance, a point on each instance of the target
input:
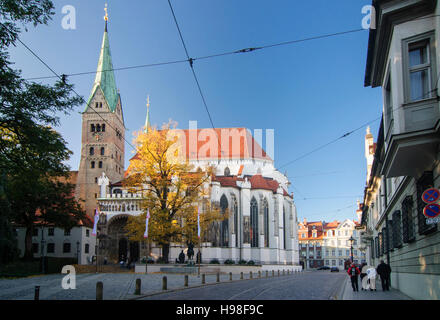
(92, 164)
(102, 151)
(235, 212)
(254, 223)
(224, 224)
(266, 222)
(103, 127)
(100, 104)
(408, 233)
(92, 151)
(98, 128)
(426, 181)
(227, 172)
(100, 164)
(92, 128)
(284, 228)
(96, 105)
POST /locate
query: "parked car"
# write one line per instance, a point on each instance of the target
(324, 268)
(334, 269)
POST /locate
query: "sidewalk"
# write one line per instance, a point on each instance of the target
(349, 294)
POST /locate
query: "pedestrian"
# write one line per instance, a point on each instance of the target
(353, 272)
(364, 278)
(371, 274)
(384, 271)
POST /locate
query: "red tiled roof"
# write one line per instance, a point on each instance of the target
(241, 144)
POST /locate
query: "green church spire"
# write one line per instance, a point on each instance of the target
(105, 77)
(147, 120)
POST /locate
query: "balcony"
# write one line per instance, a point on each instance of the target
(413, 150)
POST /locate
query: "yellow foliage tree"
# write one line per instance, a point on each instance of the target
(172, 191)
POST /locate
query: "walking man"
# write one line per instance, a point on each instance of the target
(353, 272)
(384, 271)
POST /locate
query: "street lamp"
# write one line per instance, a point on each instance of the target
(351, 247)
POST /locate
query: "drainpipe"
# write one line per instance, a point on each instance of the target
(386, 218)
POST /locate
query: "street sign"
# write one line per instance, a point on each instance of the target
(431, 210)
(431, 195)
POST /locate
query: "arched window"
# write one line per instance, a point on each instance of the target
(227, 172)
(92, 164)
(254, 223)
(235, 212)
(224, 224)
(100, 164)
(103, 127)
(92, 128)
(102, 151)
(266, 222)
(284, 228)
(92, 151)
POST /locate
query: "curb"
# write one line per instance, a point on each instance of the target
(133, 297)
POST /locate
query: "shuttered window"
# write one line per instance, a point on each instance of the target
(426, 181)
(381, 245)
(397, 229)
(390, 231)
(408, 234)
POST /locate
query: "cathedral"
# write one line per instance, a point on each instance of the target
(262, 221)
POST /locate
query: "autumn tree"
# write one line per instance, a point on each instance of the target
(172, 190)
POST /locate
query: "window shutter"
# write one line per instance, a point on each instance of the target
(407, 220)
(397, 229)
(381, 244)
(426, 181)
(390, 231)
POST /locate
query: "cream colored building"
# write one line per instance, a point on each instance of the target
(403, 59)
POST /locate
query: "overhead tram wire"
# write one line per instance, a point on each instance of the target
(63, 78)
(191, 60)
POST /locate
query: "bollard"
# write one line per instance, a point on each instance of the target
(138, 287)
(164, 283)
(250, 275)
(259, 274)
(99, 290)
(37, 293)
(218, 277)
(273, 273)
(278, 273)
(230, 276)
(203, 278)
(186, 281)
(267, 272)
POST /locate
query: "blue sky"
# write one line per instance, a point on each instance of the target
(310, 92)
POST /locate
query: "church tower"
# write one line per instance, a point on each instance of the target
(103, 132)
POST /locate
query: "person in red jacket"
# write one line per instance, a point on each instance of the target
(353, 272)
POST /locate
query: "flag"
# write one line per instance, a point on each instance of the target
(146, 224)
(96, 222)
(198, 222)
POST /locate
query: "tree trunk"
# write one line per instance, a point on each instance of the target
(165, 252)
(28, 254)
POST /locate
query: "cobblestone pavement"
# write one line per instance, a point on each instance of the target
(116, 285)
(303, 286)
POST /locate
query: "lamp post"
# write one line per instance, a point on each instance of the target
(351, 247)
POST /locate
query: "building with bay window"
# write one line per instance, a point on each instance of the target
(403, 59)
